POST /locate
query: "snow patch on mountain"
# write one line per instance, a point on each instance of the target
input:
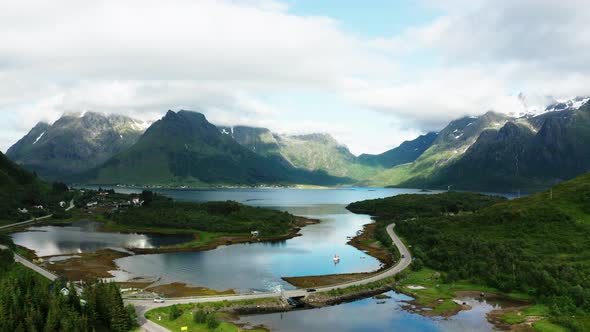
(536, 105)
(38, 138)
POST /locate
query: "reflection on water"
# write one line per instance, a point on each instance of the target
(83, 236)
(260, 266)
(377, 315)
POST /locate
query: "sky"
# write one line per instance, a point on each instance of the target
(370, 73)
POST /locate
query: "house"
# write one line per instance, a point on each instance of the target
(40, 207)
(255, 233)
(62, 204)
(91, 204)
(135, 200)
(64, 291)
(23, 210)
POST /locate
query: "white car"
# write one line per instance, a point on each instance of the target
(159, 300)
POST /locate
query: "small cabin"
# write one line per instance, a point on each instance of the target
(255, 233)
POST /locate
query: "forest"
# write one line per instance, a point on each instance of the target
(538, 245)
(29, 302)
(221, 217)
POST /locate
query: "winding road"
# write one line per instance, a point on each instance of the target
(144, 305)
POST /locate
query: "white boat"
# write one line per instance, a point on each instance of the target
(336, 258)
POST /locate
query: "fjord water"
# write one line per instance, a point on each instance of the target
(242, 267)
(371, 315)
(84, 236)
(260, 266)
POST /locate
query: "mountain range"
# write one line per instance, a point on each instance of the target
(74, 143)
(183, 148)
(493, 151)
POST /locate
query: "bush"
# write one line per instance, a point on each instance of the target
(200, 317)
(417, 264)
(174, 312)
(212, 322)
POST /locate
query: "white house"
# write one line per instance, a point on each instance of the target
(62, 203)
(255, 233)
(23, 210)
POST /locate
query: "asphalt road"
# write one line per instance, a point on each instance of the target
(144, 305)
(35, 219)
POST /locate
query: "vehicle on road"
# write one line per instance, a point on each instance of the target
(310, 290)
(159, 300)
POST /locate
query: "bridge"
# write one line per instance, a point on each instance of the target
(144, 304)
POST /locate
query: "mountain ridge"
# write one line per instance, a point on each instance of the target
(74, 143)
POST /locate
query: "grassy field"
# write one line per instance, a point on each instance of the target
(435, 289)
(161, 316)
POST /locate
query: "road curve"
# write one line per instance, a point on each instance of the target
(144, 305)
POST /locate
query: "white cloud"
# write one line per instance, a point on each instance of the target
(222, 57)
(482, 54)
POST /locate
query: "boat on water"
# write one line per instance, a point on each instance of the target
(336, 258)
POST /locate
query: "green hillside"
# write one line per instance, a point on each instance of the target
(185, 149)
(538, 245)
(18, 189)
(323, 152)
(407, 152)
(525, 154)
(450, 145)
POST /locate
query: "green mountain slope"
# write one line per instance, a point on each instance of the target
(451, 144)
(18, 189)
(518, 158)
(321, 152)
(539, 245)
(407, 152)
(185, 149)
(74, 143)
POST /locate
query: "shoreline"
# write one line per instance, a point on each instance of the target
(363, 241)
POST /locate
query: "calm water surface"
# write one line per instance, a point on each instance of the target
(260, 266)
(373, 315)
(84, 236)
(243, 267)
